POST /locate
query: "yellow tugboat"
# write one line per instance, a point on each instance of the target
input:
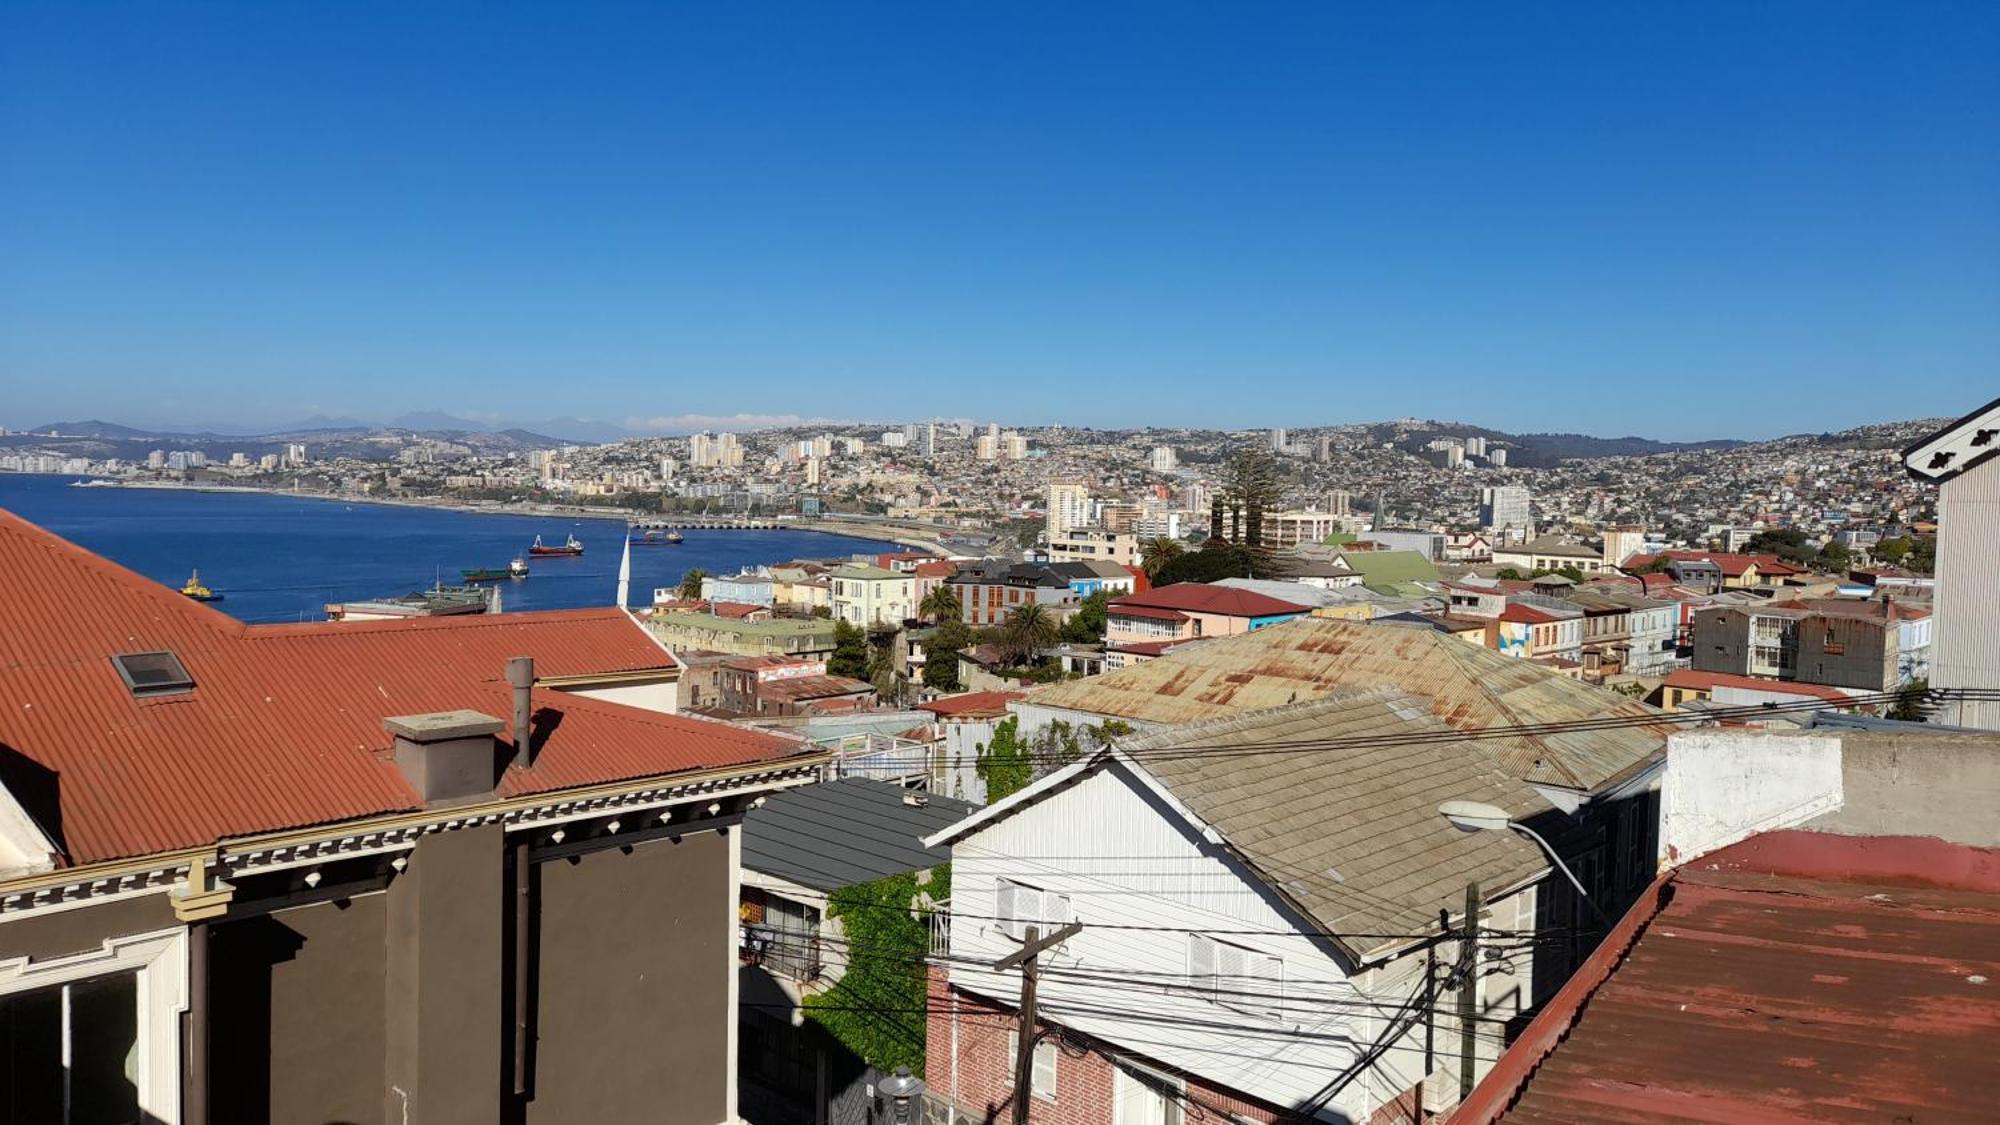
(194, 589)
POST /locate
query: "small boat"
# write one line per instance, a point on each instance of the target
(194, 589)
(570, 546)
(516, 569)
(651, 538)
(674, 536)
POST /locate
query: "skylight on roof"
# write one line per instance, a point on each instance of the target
(147, 674)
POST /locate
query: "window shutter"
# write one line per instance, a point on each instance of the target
(1201, 962)
(1270, 972)
(1059, 912)
(1005, 908)
(1044, 1078)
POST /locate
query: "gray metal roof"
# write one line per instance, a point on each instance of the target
(853, 830)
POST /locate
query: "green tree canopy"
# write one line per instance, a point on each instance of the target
(850, 652)
(1207, 565)
(1005, 764)
(691, 584)
(1031, 628)
(876, 1009)
(1157, 552)
(1086, 623)
(941, 604)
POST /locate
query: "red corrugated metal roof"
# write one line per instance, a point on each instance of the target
(1196, 597)
(971, 703)
(1695, 680)
(284, 726)
(1798, 976)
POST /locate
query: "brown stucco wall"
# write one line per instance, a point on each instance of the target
(442, 1031)
(41, 936)
(308, 982)
(633, 984)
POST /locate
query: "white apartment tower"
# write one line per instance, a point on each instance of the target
(1503, 509)
(1069, 508)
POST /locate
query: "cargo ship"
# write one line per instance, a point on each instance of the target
(516, 569)
(570, 546)
(194, 589)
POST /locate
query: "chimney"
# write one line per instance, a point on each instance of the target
(449, 757)
(521, 674)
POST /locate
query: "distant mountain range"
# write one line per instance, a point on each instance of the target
(324, 436)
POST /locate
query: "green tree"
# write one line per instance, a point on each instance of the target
(941, 604)
(1788, 543)
(1913, 702)
(876, 1009)
(850, 652)
(1892, 551)
(1085, 624)
(1923, 555)
(1157, 552)
(1833, 558)
(1030, 629)
(691, 584)
(1006, 764)
(1252, 488)
(1225, 560)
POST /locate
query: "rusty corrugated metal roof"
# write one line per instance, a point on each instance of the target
(284, 726)
(1353, 835)
(1467, 687)
(1753, 992)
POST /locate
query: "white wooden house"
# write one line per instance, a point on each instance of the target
(1260, 926)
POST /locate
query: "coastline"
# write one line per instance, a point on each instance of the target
(823, 526)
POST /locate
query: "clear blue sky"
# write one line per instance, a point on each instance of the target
(1679, 220)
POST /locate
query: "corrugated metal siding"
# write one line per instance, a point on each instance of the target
(1965, 651)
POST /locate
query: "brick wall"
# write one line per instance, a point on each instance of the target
(1084, 1082)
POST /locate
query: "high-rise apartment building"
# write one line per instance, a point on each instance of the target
(1504, 509)
(1069, 508)
(1163, 459)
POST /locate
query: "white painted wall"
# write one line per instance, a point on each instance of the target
(1966, 646)
(1125, 858)
(662, 697)
(1722, 787)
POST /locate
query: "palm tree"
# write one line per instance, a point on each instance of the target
(691, 584)
(1030, 629)
(941, 605)
(1158, 552)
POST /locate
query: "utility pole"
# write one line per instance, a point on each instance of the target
(1027, 957)
(1468, 986)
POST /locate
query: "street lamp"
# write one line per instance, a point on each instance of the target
(1477, 816)
(902, 1089)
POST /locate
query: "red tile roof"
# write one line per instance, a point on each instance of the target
(936, 568)
(284, 726)
(1797, 976)
(973, 703)
(738, 610)
(1195, 597)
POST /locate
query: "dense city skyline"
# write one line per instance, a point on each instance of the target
(623, 217)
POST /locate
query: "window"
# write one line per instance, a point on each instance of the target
(152, 673)
(1043, 1081)
(94, 1038)
(1141, 1095)
(1018, 906)
(1237, 977)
